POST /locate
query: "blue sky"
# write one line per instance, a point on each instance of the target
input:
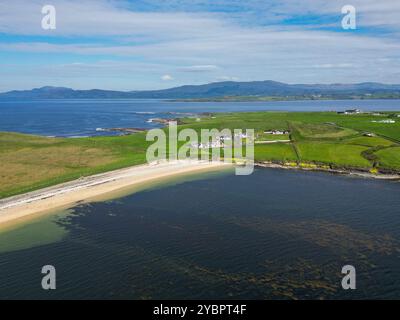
(151, 44)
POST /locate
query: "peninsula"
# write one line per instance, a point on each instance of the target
(40, 173)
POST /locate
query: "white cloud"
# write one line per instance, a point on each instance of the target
(167, 77)
(101, 17)
(332, 65)
(199, 68)
(203, 45)
(227, 78)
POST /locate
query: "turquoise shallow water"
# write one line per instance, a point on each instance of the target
(275, 234)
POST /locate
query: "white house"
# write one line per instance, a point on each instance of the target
(353, 111)
(369, 134)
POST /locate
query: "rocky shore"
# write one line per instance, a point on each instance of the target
(353, 172)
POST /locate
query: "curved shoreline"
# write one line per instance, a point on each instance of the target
(66, 195)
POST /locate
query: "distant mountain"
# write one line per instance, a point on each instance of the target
(64, 93)
(212, 90)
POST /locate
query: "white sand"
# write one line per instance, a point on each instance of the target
(66, 195)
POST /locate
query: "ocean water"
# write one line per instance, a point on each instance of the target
(77, 118)
(275, 234)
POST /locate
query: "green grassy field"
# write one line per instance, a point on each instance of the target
(334, 154)
(31, 162)
(270, 137)
(323, 138)
(389, 158)
(279, 152)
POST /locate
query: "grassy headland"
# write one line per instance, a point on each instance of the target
(323, 139)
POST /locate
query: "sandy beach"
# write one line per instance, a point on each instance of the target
(21, 207)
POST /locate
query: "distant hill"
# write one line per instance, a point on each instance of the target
(213, 90)
(64, 93)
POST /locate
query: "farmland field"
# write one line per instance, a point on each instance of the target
(32, 162)
(390, 157)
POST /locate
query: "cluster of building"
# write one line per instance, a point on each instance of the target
(213, 144)
(219, 142)
(384, 121)
(358, 111)
(350, 111)
(276, 132)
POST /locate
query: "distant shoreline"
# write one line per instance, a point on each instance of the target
(282, 99)
(212, 99)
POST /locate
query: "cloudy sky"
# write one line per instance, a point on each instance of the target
(151, 44)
